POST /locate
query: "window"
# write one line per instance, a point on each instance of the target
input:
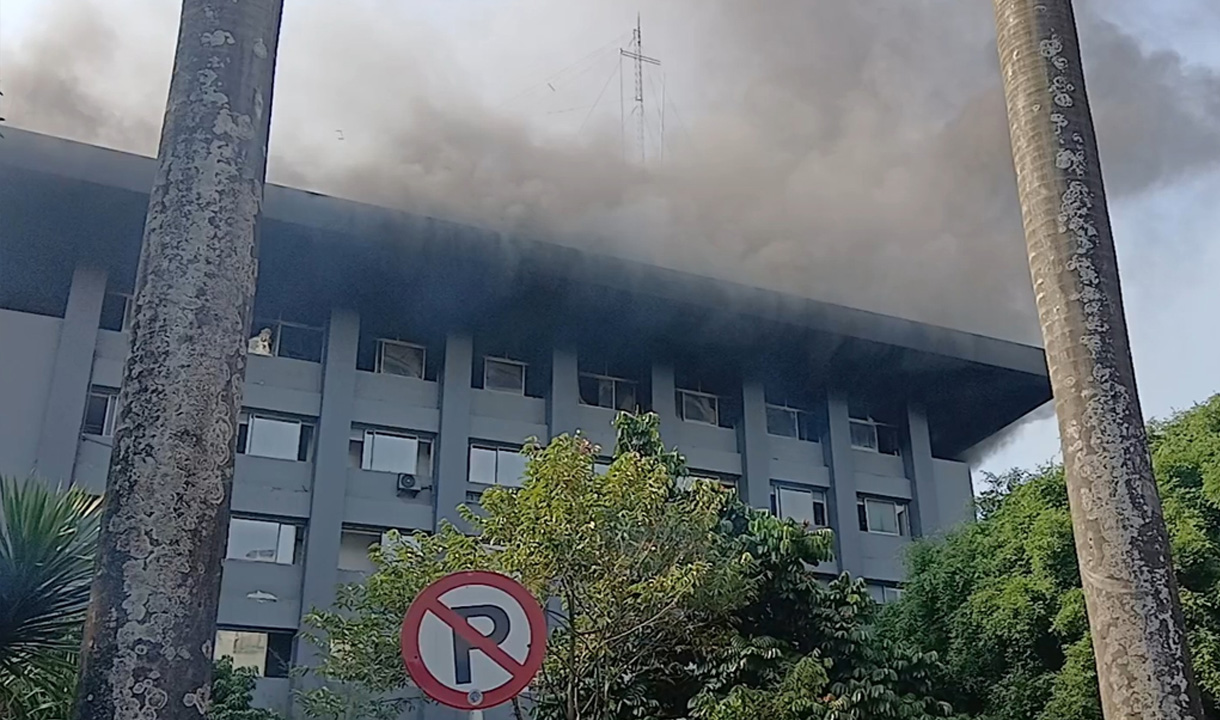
(355, 545)
(496, 466)
(399, 358)
(262, 541)
(886, 517)
(504, 375)
(278, 438)
(884, 593)
(782, 421)
(608, 392)
(100, 410)
(728, 482)
(804, 505)
(868, 434)
(389, 452)
(117, 309)
(287, 340)
(698, 407)
(267, 653)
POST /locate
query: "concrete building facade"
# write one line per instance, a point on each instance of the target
(408, 358)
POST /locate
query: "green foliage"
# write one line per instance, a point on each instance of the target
(1000, 600)
(665, 603)
(233, 692)
(47, 542)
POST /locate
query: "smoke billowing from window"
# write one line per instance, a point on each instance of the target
(855, 152)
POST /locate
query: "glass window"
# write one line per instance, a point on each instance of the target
(782, 421)
(887, 517)
(887, 439)
(354, 548)
(868, 434)
(884, 593)
(299, 342)
(116, 311)
(270, 438)
(261, 541)
(267, 653)
(608, 392)
(863, 435)
(510, 468)
(504, 375)
(399, 358)
(482, 466)
(100, 409)
(496, 466)
(803, 505)
(698, 407)
(384, 452)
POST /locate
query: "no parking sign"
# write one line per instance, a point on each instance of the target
(473, 640)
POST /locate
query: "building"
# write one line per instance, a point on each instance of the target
(405, 359)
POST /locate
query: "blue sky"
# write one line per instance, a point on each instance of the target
(1166, 236)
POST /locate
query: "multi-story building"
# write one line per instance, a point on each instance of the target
(405, 360)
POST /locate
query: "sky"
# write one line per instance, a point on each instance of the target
(852, 152)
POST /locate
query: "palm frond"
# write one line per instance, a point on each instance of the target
(48, 539)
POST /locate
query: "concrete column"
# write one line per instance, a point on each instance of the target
(564, 397)
(917, 461)
(755, 447)
(837, 448)
(663, 401)
(330, 468)
(453, 442)
(65, 409)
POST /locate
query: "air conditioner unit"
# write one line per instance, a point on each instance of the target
(408, 484)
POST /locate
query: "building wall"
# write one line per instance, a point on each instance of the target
(325, 494)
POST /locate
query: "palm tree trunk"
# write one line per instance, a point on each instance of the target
(1130, 590)
(148, 640)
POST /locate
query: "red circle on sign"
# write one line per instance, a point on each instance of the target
(428, 601)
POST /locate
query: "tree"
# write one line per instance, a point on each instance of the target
(151, 623)
(233, 694)
(1001, 601)
(1129, 586)
(629, 564)
(48, 539)
(47, 542)
(666, 602)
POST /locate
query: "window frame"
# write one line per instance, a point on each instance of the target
(277, 330)
(305, 441)
(888, 593)
(112, 410)
(498, 450)
(817, 495)
(794, 413)
(490, 359)
(281, 665)
(368, 458)
(379, 364)
(297, 539)
(902, 515)
(129, 303)
(615, 392)
(683, 392)
(875, 428)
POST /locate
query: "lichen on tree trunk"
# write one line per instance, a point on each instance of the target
(1121, 541)
(148, 641)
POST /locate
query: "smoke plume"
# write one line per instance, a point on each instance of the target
(850, 151)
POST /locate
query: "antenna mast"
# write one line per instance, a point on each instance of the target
(636, 53)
